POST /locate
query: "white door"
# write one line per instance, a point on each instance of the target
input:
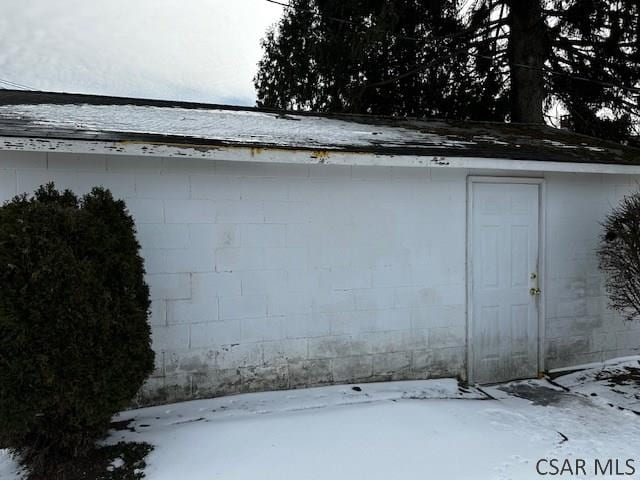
(504, 290)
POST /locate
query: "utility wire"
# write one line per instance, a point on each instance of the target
(416, 70)
(14, 85)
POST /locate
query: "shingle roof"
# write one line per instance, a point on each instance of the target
(89, 117)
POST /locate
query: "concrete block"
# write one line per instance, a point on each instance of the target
(263, 282)
(392, 341)
(269, 189)
(76, 161)
(285, 212)
(207, 286)
(301, 280)
(163, 186)
(189, 211)
(443, 337)
(241, 169)
(172, 388)
(456, 175)
(310, 372)
(202, 166)
(330, 171)
(391, 276)
(17, 159)
(374, 298)
(348, 369)
(349, 323)
(564, 350)
(337, 346)
(208, 236)
(134, 163)
(439, 362)
(344, 278)
(189, 260)
(411, 175)
(192, 311)
(260, 329)
(289, 258)
(285, 350)
(170, 337)
(571, 307)
(305, 326)
(216, 382)
(239, 212)
(289, 303)
(215, 187)
(286, 170)
(153, 261)
(146, 210)
(391, 320)
(297, 235)
(437, 316)
(329, 211)
(169, 286)
(604, 342)
(238, 259)
(158, 315)
(8, 185)
(263, 235)
(30, 180)
(172, 359)
(248, 306)
(628, 340)
(238, 355)
(371, 173)
(212, 334)
(335, 301)
(163, 236)
(120, 185)
(392, 363)
(415, 297)
(193, 361)
(329, 256)
(259, 378)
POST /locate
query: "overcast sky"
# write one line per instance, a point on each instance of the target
(199, 50)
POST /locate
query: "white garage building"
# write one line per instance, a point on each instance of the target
(287, 250)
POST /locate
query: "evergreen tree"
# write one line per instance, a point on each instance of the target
(365, 56)
(479, 59)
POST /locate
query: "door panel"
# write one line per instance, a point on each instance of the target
(504, 255)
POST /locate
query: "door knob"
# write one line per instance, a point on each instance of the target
(534, 291)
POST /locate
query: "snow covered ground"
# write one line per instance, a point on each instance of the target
(615, 382)
(397, 430)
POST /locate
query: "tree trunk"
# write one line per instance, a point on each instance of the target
(527, 48)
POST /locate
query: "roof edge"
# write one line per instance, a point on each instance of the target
(300, 156)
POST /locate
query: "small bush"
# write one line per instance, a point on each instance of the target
(74, 338)
(619, 255)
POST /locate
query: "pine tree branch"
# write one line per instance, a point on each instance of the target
(570, 47)
(484, 41)
(416, 69)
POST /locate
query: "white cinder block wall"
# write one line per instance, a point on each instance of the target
(579, 326)
(267, 276)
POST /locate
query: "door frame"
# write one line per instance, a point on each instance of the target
(542, 270)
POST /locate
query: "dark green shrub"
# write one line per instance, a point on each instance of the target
(74, 338)
(619, 255)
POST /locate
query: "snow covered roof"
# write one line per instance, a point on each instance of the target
(40, 115)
